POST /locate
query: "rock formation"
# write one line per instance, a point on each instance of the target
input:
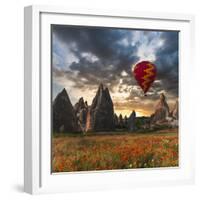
(162, 116)
(79, 105)
(125, 121)
(121, 121)
(64, 118)
(116, 121)
(174, 112)
(100, 116)
(131, 121)
(81, 110)
(162, 110)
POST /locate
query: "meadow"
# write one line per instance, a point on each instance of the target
(72, 152)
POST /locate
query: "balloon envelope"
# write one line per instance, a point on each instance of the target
(145, 74)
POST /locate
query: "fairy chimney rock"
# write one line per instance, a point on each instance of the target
(100, 116)
(161, 110)
(64, 118)
(131, 121)
(174, 112)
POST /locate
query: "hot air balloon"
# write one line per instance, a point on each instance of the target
(145, 74)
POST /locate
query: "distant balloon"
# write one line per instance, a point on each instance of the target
(145, 74)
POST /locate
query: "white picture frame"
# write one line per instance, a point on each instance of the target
(37, 131)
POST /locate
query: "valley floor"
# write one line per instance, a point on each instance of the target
(114, 151)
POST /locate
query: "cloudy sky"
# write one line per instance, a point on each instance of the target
(84, 57)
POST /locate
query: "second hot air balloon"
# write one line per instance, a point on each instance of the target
(145, 73)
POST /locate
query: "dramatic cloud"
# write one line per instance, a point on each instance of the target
(84, 57)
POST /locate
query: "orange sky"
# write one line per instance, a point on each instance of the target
(141, 110)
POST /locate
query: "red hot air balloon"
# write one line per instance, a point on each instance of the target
(145, 74)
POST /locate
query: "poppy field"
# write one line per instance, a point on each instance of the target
(114, 151)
